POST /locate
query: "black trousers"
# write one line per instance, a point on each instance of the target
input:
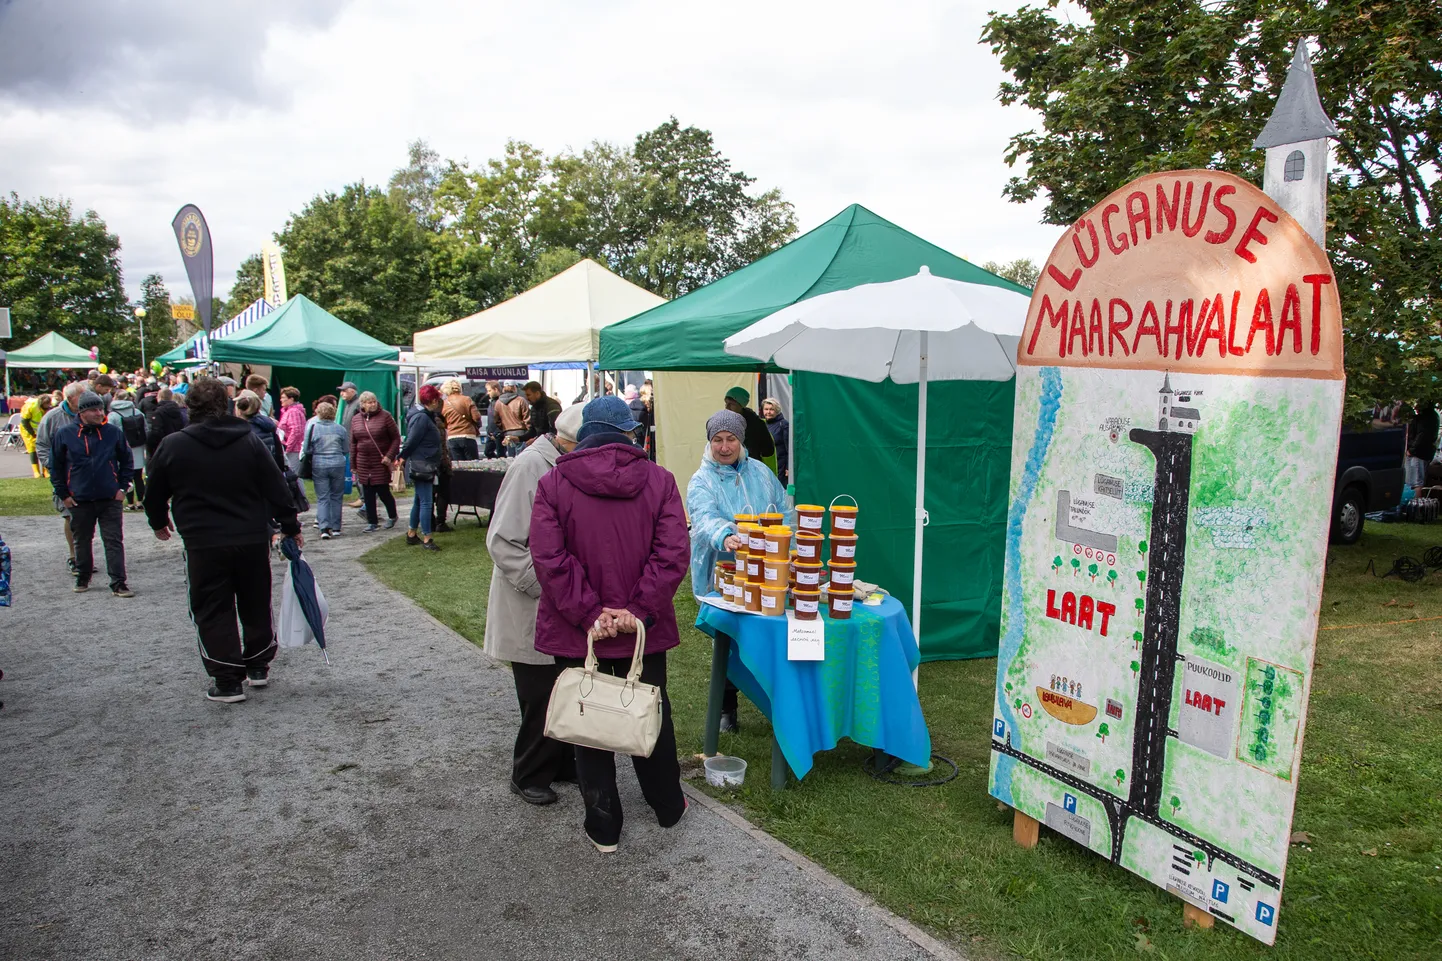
(538, 760)
(441, 498)
(370, 492)
(464, 448)
(493, 446)
(109, 515)
(136, 494)
(659, 774)
(226, 583)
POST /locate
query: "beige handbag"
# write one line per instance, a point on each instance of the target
(603, 711)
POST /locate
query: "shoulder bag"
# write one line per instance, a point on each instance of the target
(603, 711)
(305, 469)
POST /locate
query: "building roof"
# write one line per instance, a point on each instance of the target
(1298, 116)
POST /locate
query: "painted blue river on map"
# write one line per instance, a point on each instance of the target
(1050, 405)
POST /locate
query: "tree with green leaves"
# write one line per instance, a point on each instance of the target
(1132, 88)
(160, 330)
(61, 272)
(1103, 731)
(414, 187)
(249, 287)
(363, 258)
(1020, 271)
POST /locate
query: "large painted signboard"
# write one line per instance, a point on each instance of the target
(1178, 401)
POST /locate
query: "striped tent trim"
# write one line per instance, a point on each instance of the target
(199, 346)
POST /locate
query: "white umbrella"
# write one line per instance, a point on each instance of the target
(912, 330)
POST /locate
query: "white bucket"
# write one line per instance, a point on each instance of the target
(723, 771)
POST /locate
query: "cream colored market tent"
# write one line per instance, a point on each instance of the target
(554, 322)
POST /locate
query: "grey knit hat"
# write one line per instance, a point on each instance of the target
(728, 421)
(89, 400)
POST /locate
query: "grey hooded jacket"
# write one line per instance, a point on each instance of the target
(515, 592)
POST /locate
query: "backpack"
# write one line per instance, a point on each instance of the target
(133, 426)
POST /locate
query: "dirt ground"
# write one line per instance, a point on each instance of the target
(356, 811)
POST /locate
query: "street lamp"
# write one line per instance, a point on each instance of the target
(140, 320)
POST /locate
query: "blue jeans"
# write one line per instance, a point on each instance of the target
(421, 507)
(329, 480)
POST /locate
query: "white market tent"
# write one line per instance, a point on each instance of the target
(558, 321)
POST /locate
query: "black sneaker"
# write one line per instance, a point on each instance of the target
(370, 527)
(443, 528)
(81, 586)
(390, 522)
(258, 676)
(226, 692)
(122, 591)
(71, 566)
(412, 540)
(430, 546)
(325, 535)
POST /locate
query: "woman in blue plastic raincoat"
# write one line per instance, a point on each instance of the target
(728, 483)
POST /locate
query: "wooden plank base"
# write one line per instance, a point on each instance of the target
(1025, 830)
(1195, 917)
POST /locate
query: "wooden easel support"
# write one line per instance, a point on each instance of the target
(1195, 917)
(1026, 831)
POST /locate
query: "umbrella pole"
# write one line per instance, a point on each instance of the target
(921, 517)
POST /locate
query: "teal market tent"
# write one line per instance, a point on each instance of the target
(301, 333)
(50, 351)
(857, 438)
(311, 349)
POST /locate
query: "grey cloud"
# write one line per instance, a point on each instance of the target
(146, 58)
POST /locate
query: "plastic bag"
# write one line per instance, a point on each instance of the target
(293, 629)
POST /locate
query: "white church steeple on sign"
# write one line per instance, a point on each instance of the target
(1295, 139)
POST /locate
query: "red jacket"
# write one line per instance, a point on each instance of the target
(607, 530)
(373, 436)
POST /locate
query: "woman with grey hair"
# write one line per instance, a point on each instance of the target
(374, 442)
(325, 443)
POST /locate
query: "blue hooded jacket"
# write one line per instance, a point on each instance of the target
(715, 495)
(90, 463)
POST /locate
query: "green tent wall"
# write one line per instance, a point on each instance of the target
(860, 439)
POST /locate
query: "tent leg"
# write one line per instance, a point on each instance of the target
(590, 380)
(921, 517)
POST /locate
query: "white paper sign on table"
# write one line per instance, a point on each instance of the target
(805, 640)
(723, 604)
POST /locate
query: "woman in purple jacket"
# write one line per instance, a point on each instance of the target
(609, 545)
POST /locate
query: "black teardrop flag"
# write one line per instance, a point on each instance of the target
(193, 236)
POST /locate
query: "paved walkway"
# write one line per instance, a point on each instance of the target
(357, 812)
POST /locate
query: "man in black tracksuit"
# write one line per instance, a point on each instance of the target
(90, 468)
(224, 488)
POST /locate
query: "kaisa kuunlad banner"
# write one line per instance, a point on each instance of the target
(193, 236)
(1178, 401)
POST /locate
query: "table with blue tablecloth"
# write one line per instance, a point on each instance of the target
(862, 690)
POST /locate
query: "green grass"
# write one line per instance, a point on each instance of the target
(1370, 795)
(22, 496)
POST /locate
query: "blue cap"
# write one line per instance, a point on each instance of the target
(606, 414)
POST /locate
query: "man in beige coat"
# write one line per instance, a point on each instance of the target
(511, 614)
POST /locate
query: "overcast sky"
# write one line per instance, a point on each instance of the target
(135, 107)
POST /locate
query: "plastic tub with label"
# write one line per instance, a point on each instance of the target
(843, 516)
(809, 545)
(808, 603)
(843, 548)
(773, 601)
(809, 517)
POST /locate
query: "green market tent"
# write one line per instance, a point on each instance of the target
(854, 247)
(50, 351)
(301, 333)
(312, 350)
(857, 438)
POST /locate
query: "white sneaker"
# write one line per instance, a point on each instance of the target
(325, 535)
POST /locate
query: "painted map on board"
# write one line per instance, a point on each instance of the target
(1178, 403)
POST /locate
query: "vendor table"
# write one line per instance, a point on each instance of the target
(475, 489)
(862, 690)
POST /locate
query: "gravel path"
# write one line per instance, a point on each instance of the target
(358, 811)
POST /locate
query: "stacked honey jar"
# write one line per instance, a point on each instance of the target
(768, 573)
(761, 575)
(820, 560)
